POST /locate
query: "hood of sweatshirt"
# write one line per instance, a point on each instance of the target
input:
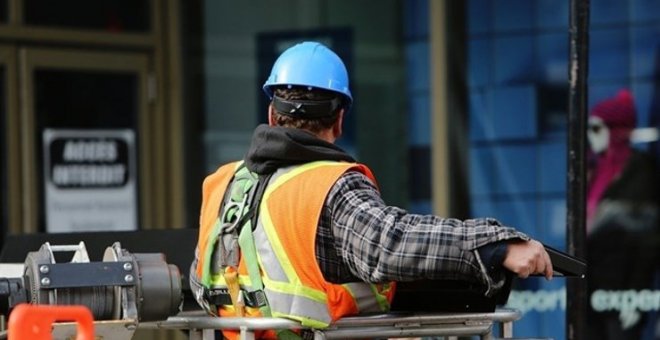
(274, 147)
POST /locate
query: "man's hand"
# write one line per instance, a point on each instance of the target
(525, 258)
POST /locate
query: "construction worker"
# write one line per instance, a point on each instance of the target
(298, 229)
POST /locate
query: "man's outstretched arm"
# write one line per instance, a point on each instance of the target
(381, 243)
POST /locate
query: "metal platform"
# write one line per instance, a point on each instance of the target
(392, 325)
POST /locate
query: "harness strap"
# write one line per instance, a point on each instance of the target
(221, 296)
(249, 253)
(231, 277)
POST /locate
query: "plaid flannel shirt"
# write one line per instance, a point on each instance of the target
(359, 237)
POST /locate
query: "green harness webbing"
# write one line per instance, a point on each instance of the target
(249, 193)
(249, 253)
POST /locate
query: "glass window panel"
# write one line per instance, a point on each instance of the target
(416, 26)
(480, 16)
(602, 91)
(643, 93)
(552, 14)
(530, 327)
(553, 323)
(417, 61)
(72, 99)
(513, 15)
(514, 59)
(514, 112)
(419, 116)
(608, 11)
(479, 61)
(518, 212)
(419, 158)
(645, 51)
(551, 160)
(608, 55)
(482, 207)
(645, 10)
(85, 99)
(482, 176)
(480, 118)
(515, 169)
(552, 110)
(4, 11)
(105, 15)
(552, 54)
(552, 221)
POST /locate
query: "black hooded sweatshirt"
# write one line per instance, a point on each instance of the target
(276, 147)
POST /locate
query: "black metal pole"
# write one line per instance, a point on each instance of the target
(576, 288)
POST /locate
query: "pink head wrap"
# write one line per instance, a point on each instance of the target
(619, 115)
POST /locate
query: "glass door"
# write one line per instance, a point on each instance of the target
(86, 137)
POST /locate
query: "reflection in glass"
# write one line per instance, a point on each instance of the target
(106, 15)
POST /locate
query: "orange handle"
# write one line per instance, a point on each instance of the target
(35, 321)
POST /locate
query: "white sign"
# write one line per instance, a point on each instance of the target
(629, 303)
(537, 300)
(90, 180)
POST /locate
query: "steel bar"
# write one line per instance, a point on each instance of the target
(576, 288)
(383, 325)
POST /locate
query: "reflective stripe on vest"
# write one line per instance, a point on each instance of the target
(293, 271)
(366, 297)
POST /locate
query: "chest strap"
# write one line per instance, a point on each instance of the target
(221, 296)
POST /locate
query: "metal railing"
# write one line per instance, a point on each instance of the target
(392, 325)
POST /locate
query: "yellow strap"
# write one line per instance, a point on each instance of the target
(231, 277)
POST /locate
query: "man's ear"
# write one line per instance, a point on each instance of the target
(337, 127)
(271, 120)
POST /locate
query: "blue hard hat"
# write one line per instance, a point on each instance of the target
(310, 64)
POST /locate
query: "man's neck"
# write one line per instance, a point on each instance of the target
(326, 135)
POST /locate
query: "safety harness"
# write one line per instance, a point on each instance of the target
(237, 219)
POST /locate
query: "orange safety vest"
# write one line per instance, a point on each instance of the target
(285, 240)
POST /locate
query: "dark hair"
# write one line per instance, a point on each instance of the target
(314, 125)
